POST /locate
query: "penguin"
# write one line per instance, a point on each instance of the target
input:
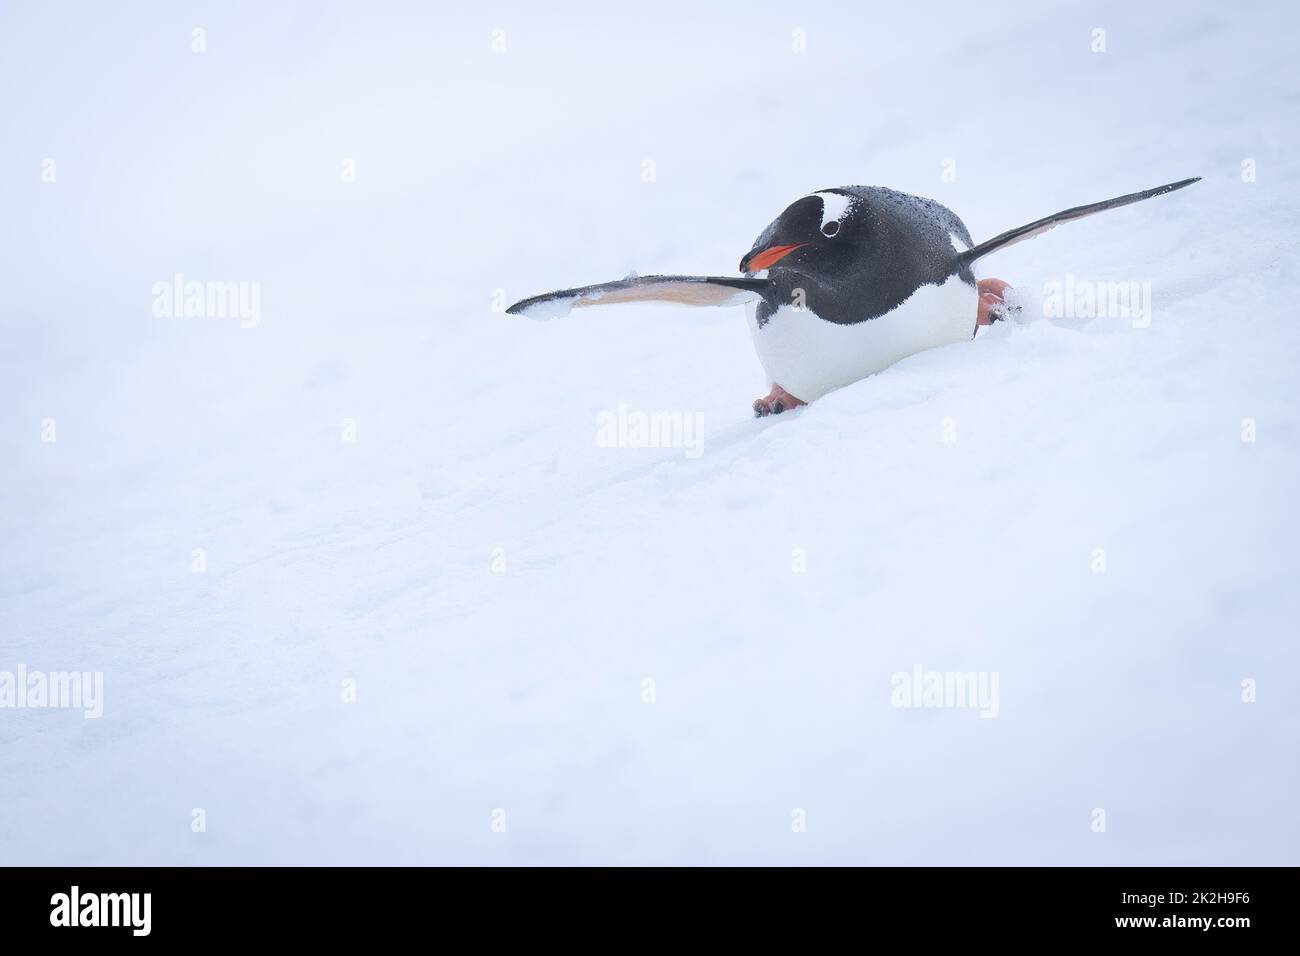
(843, 284)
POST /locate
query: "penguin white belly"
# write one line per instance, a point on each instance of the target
(809, 357)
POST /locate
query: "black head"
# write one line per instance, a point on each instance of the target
(817, 231)
(855, 252)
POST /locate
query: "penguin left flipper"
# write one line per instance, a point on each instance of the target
(681, 290)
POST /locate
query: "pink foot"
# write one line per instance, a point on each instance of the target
(775, 402)
(993, 302)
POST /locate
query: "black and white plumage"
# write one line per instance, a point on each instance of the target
(843, 283)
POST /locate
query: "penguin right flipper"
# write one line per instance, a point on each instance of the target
(1021, 233)
(682, 290)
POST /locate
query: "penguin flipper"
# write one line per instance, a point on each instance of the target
(1021, 233)
(682, 290)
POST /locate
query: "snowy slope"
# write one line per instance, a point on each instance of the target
(499, 586)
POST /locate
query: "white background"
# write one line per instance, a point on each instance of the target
(522, 172)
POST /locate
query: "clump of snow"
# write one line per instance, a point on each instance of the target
(1024, 304)
(547, 309)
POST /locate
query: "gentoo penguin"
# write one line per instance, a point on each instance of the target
(844, 283)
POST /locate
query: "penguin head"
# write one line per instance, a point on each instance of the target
(818, 235)
(856, 252)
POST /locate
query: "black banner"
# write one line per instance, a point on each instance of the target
(333, 906)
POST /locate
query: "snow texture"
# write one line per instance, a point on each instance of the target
(634, 654)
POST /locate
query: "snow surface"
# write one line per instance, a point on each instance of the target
(481, 178)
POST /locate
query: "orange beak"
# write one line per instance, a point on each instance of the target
(770, 257)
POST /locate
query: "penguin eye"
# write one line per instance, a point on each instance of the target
(831, 228)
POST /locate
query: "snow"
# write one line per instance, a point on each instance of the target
(548, 309)
(502, 593)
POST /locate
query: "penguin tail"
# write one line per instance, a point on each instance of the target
(1012, 236)
(679, 290)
